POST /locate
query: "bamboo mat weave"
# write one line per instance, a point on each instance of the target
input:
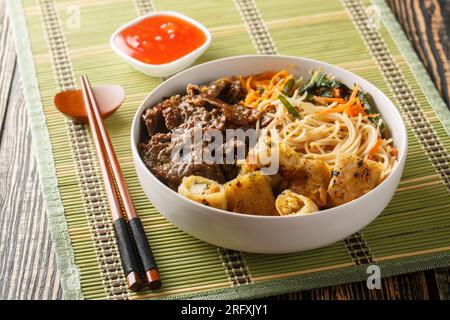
(413, 233)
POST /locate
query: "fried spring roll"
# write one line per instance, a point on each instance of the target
(289, 202)
(204, 191)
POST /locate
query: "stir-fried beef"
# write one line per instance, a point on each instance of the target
(226, 89)
(171, 123)
(157, 156)
(234, 114)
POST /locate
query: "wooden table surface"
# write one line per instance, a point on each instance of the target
(27, 261)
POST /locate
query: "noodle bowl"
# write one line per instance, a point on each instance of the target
(323, 141)
(275, 233)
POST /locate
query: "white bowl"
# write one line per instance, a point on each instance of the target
(268, 234)
(166, 69)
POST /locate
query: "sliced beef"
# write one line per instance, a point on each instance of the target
(153, 117)
(170, 122)
(158, 157)
(234, 114)
(243, 116)
(187, 114)
(174, 113)
(227, 89)
(216, 88)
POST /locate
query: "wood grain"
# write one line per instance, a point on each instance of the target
(406, 287)
(7, 64)
(27, 261)
(427, 25)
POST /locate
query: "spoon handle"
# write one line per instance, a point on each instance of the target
(137, 230)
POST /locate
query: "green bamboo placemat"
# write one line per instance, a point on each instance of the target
(412, 234)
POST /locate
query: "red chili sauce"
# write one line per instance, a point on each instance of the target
(160, 39)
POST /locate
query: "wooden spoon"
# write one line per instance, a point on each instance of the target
(108, 98)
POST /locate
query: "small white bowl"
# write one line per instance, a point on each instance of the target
(166, 69)
(268, 234)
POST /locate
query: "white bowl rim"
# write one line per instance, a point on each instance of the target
(160, 67)
(402, 129)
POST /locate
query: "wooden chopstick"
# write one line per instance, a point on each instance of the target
(129, 261)
(135, 224)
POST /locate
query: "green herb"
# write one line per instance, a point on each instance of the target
(369, 105)
(288, 89)
(316, 77)
(289, 107)
(321, 85)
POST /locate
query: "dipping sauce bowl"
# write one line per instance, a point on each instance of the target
(161, 43)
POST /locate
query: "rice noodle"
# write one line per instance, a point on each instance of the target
(322, 135)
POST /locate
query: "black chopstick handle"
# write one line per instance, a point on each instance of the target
(142, 245)
(126, 250)
(145, 252)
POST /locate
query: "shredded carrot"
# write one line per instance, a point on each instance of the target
(242, 81)
(355, 109)
(264, 76)
(251, 97)
(352, 107)
(248, 84)
(375, 148)
(346, 105)
(263, 86)
(276, 78)
(339, 108)
(354, 92)
(330, 100)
